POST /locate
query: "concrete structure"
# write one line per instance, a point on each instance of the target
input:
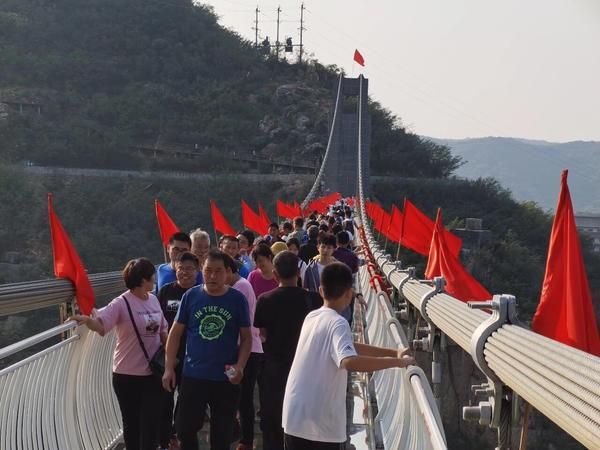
(473, 235)
(341, 169)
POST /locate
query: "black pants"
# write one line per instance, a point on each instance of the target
(194, 395)
(167, 427)
(296, 443)
(251, 374)
(140, 403)
(274, 378)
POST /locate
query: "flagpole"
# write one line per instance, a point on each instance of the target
(165, 254)
(401, 229)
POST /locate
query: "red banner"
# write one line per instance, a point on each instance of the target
(166, 226)
(565, 312)
(417, 232)
(288, 211)
(459, 283)
(67, 263)
(220, 224)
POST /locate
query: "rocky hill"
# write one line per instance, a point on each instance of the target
(83, 82)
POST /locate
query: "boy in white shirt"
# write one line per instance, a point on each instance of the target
(314, 407)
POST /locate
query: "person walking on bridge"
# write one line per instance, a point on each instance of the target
(200, 245)
(314, 405)
(178, 243)
(312, 276)
(140, 328)
(214, 318)
(310, 249)
(187, 266)
(230, 245)
(279, 315)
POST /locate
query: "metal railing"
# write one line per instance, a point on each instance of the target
(61, 397)
(408, 415)
(559, 381)
(32, 295)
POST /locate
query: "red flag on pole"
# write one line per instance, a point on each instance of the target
(263, 215)
(565, 312)
(459, 283)
(359, 58)
(220, 224)
(417, 231)
(288, 211)
(67, 263)
(395, 227)
(166, 226)
(298, 209)
(253, 221)
(321, 204)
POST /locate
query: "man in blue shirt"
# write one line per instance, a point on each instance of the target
(213, 316)
(178, 244)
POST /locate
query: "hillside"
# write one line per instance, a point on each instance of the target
(85, 82)
(531, 169)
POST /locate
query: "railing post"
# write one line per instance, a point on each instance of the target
(496, 408)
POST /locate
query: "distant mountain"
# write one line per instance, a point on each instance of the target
(531, 168)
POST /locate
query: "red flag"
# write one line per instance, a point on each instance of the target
(166, 226)
(359, 58)
(350, 202)
(263, 214)
(288, 211)
(417, 231)
(565, 312)
(459, 283)
(321, 204)
(220, 224)
(67, 263)
(395, 227)
(316, 205)
(253, 221)
(298, 208)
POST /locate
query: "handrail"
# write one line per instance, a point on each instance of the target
(36, 339)
(28, 296)
(554, 378)
(408, 416)
(60, 397)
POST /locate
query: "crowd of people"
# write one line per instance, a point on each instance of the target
(274, 311)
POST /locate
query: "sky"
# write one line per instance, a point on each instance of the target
(455, 68)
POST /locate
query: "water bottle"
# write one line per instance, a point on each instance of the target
(230, 371)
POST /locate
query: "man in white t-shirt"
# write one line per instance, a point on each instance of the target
(314, 406)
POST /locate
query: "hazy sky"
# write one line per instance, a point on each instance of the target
(456, 68)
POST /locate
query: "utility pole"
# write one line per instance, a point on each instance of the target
(301, 30)
(277, 41)
(256, 28)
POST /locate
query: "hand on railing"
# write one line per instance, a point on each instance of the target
(405, 358)
(90, 322)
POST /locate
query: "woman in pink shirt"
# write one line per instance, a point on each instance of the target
(137, 390)
(261, 278)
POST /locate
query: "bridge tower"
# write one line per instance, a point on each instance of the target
(341, 166)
